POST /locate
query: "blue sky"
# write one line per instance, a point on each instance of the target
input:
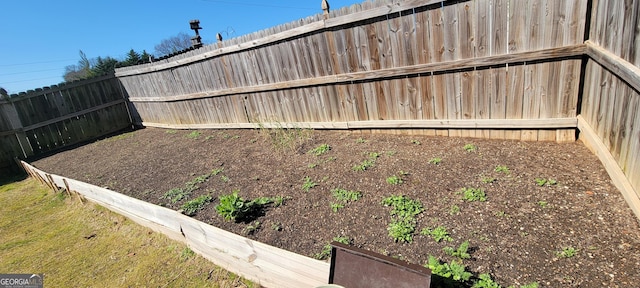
(38, 38)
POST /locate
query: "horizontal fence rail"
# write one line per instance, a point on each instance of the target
(429, 61)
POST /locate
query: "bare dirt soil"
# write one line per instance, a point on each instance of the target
(516, 235)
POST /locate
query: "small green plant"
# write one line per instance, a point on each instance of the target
(171, 131)
(366, 164)
(542, 182)
(276, 226)
(252, 228)
(233, 207)
(312, 165)
(473, 194)
(390, 153)
(216, 171)
(323, 148)
(542, 204)
(194, 135)
(361, 140)
(192, 206)
(455, 274)
(488, 180)
(344, 196)
(567, 252)
(454, 210)
(326, 250)
(277, 201)
(308, 184)
(224, 178)
(461, 252)
(394, 180)
(336, 206)
(435, 160)
(416, 142)
(485, 281)
(501, 168)
(470, 147)
(402, 230)
(175, 195)
(501, 214)
(438, 234)
(403, 223)
(187, 253)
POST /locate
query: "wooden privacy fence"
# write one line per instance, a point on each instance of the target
(267, 265)
(506, 69)
(47, 119)
(462, 67)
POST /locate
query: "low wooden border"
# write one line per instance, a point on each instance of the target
(266, 265)
(551, 123)
(619, 179)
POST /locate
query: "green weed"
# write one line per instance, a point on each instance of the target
(194, 135)
(501, 168)
(454, 273)
(416, 142)
(175, 195)
(542, 182)
(233, 207)
(191, 207)
(470, 147)
(542, 204)
(308, 184)
(336, 206)
(488, 180)
(171, 131)
(435, 160)
(394, 180)
(485, 281)
(567, 252)
(324, 148)
(326, 250)
(285, 138)
(454, 210)
(252, 228)
(461, 252)
(438, 234)
(361, 140)
(187, 253)
(346, 195)
(473, 194)
(403, 214)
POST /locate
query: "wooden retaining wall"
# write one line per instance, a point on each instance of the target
(48, 119)
(266, 265)
(439, 66)
(610, 112)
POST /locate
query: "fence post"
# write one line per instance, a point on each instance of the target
(325, 9)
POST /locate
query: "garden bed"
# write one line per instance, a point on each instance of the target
(550, 214)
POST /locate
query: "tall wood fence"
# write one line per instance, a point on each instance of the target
(458, 68)
(505, 69)
(47, 119)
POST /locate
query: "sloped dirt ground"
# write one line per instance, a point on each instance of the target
(515, 234)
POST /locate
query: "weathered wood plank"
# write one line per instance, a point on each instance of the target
(619, 179)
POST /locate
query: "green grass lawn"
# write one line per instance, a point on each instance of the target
(86, 245)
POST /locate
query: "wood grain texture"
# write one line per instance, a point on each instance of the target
(266, 265)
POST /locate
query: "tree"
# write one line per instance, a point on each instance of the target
(173, 44)
(132, 58)
(80, 71)
(104, 66)
(146, 57)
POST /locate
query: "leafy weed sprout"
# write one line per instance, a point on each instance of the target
(488, 180)
(285, 138)
(191, 207)
(194, 135)
(453, 271)
(416, 142)
(454, 210)
(542, 182)
(473, 194)
(435, 160)
(308, 184)
(567, 252)
(326, 250)
(394, 180)
(438, 234)
(252, 228)
(324, 148)
(461, 252)
(501, 168)
(403, 223)
(344, 196)
(233, 207)
(470, 147)
(367, 163)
